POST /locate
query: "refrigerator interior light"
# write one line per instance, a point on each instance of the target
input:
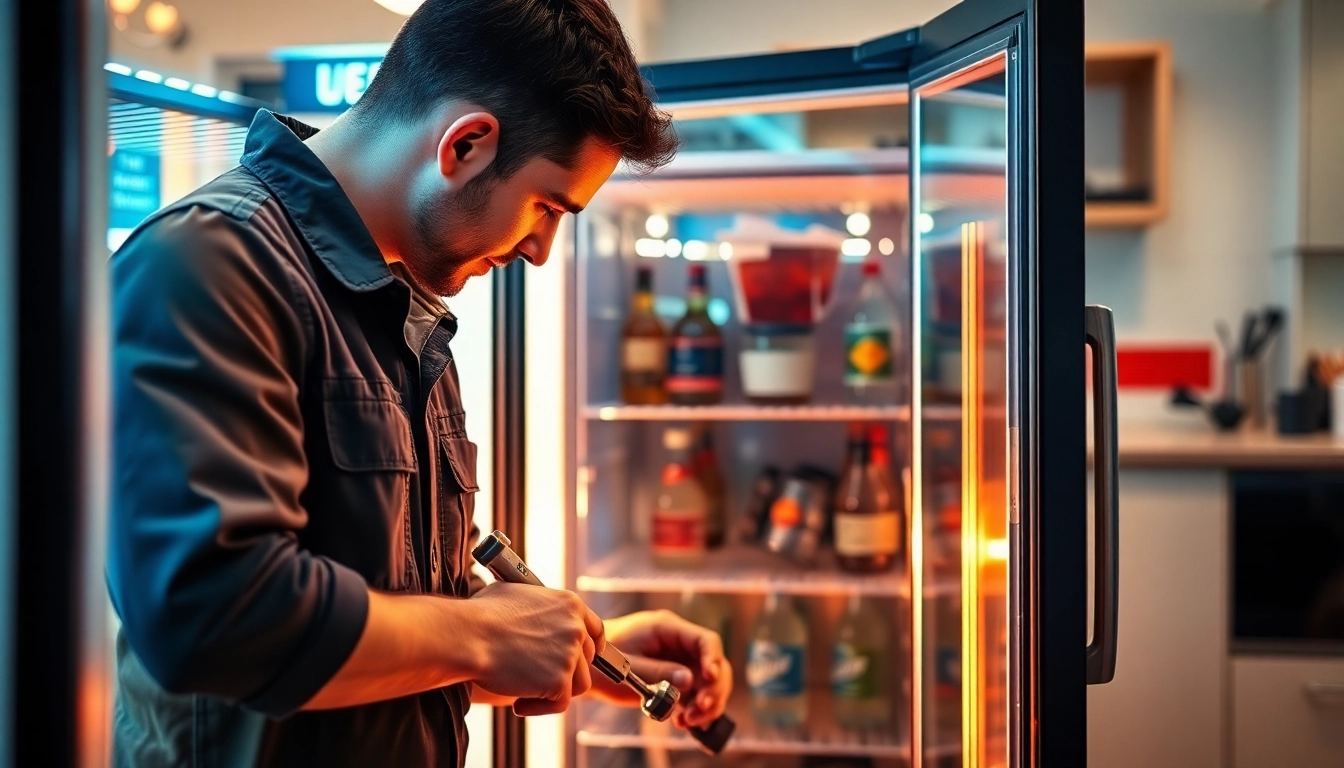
(695, 250)
(858, 224)
(148, 76)
(856, 247)
(177, 83)
(119, 69)
(673, 248)
(657, 225)
(650, 248)
(886, 246)
(725, 251)
(925, 223)
(207, 91)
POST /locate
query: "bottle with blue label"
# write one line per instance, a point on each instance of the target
(859, 683)
(695, 349)
(776, 665)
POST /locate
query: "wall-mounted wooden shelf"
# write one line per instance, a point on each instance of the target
(1137, 76)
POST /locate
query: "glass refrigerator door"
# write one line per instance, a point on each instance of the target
(999, 411)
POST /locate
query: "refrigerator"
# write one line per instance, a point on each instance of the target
(950, 154)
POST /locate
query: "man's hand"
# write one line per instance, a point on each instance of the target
(536, 645)
(663, 646)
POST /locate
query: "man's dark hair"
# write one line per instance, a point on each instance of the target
(554, 72)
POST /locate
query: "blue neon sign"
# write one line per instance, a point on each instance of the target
(327, 85)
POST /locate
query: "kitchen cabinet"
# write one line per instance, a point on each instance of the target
(1288, 711)
(1322, 114)
(1166, 704)
(1308, 109)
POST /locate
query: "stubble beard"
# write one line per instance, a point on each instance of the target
(445, 246)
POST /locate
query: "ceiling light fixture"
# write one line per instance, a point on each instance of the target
(403, 7)
(153, 25)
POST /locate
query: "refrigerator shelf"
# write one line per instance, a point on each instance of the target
(742, 569)
(745, 412)
(614, 727)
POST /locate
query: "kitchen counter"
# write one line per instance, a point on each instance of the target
(1158, 448)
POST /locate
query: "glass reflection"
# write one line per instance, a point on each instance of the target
(961, 247)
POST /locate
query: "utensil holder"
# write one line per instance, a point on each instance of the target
(1251, 386)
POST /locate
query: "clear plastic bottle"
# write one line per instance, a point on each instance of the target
(680, 511)
(873, 343)
(859, 675)
(776, 665)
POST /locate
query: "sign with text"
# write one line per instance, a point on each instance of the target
(134, 188)
(327, 85)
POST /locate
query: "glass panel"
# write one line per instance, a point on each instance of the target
(961, 253)
(783, 232)
(867, 120)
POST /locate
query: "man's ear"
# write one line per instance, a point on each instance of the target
(468, 147)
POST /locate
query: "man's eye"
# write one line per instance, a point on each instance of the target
(552, 213)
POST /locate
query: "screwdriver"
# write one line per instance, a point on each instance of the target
(495, 553)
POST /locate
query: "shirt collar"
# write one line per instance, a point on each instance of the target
(314, 200)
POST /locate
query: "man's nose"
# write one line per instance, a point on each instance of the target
(536, 248)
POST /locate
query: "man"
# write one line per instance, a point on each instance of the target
(291, 522)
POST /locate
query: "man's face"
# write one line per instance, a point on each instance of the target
(488, 223)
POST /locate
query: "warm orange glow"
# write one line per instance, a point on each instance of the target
(996, 549)
(123, 7)
(161, 18)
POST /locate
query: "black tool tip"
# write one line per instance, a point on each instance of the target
(714, 736)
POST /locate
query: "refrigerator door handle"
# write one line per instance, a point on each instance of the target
(1106, 563)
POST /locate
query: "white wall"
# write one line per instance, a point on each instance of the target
(1211, 257)
(251, 29)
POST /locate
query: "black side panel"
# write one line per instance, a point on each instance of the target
(1054, 92)
(510, 749)
(960, 23)
(55, 41)
(882, 61)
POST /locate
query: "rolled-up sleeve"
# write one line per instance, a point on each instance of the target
(214, 592)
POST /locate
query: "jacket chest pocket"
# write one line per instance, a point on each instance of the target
(369, 436)
(456, 502)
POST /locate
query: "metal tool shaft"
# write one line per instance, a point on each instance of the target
(658, 701)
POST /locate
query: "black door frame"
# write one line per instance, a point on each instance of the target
(1046, 159)
(59, 652)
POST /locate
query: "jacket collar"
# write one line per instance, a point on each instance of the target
(314, 200)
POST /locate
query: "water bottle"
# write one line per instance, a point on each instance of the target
(859, 683)
(776, 662)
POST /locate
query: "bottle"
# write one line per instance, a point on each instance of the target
(695, 351)
(869, 512)
(706, 465)
(776, 660)
(872, 340)
(710, 612)
(643, 348)
(680, 509)
(859, 684)
(945, 637)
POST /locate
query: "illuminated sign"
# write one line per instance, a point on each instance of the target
(327, 85)
(133, 178)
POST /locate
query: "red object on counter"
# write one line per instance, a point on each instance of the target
(1164, 366)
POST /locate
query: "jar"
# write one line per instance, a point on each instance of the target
(778, 364)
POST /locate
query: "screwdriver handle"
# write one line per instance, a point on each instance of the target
(496, 553)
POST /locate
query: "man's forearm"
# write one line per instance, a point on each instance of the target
(410, 644)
